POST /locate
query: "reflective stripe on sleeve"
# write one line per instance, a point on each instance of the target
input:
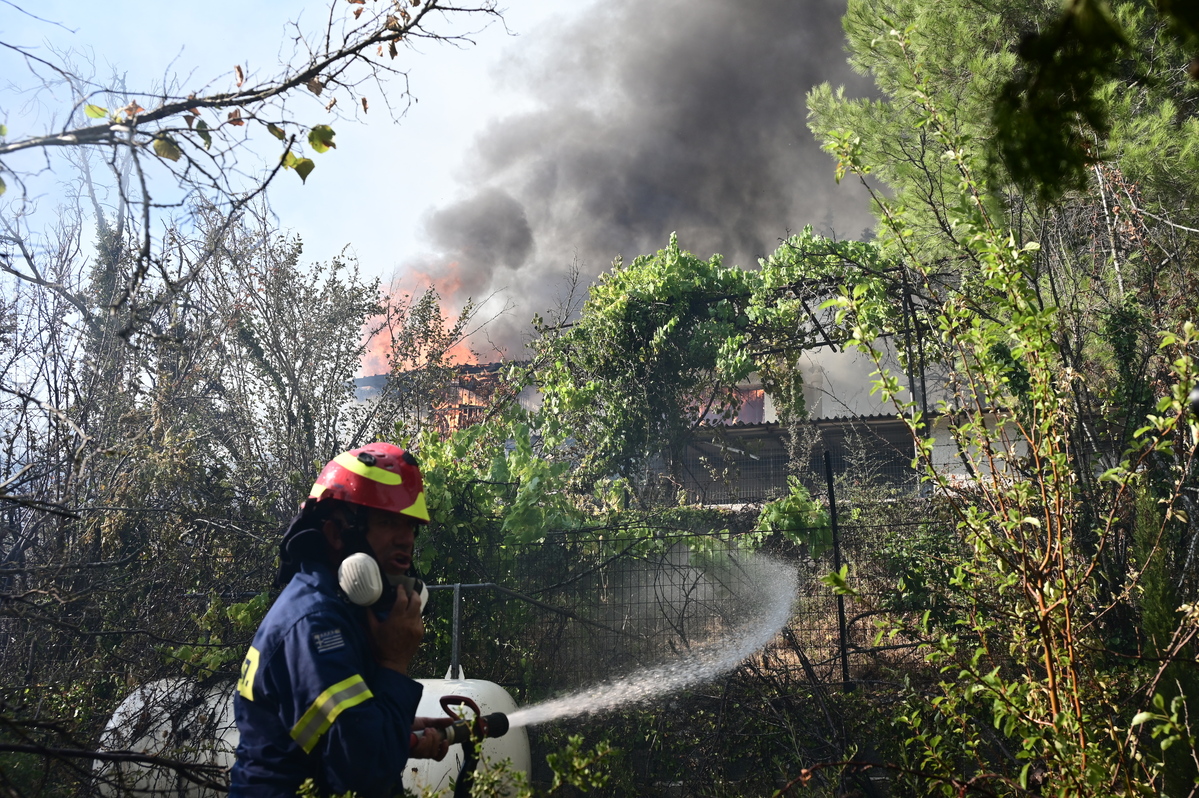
(325, 709)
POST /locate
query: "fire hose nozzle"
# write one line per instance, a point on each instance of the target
(463, 730)
(493, 725)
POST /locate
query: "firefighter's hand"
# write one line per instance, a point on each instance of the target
(397, 638)
(431, 744)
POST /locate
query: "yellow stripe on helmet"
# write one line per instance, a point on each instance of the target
(381, 475)
(418, 509)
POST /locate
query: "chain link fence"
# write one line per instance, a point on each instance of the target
(616, 612)
(604, 612)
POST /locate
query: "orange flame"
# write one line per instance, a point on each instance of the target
(377, 359)
(753, 405)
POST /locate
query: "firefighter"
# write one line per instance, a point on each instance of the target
(324, 691)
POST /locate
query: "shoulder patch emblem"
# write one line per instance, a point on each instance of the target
(328, 641)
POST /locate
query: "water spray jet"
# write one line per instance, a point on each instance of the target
(700, 665)
(773, 582)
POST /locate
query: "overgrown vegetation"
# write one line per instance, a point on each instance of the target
(1053, 335)
(1024, 624)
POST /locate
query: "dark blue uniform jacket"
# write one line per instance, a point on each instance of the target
(312, 703)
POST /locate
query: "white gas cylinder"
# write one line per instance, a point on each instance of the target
(174, 719)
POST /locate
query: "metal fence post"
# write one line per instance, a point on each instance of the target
(832, 514)
(455, 662)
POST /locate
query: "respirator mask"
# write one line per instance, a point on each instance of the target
(365, 584)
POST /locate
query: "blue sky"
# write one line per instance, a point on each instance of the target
(375, 189)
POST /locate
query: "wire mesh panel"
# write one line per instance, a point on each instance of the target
(629, 605)
(603, 612)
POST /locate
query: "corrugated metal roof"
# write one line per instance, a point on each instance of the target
(877, 418)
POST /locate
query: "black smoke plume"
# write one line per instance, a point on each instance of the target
(653, 117)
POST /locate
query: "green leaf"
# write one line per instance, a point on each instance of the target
(3, 187)
(205, 136)
(321, 138)
(3, 131)
(277, 132)
(1142, 717)
(1113, 474)
(95, 111)
(304, 167)
(839, 582)
(165, 147)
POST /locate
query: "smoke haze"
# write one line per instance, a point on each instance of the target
(675, 115)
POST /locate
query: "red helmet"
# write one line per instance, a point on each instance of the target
(379, 475)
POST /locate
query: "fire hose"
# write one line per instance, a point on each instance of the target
(470, 733)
